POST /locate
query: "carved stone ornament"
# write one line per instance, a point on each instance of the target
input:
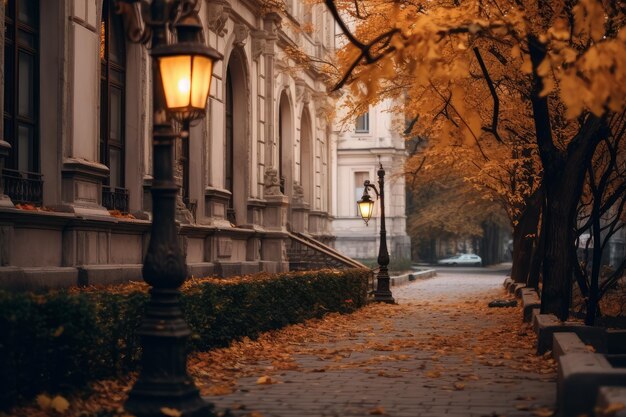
(300, 89)
(298, 193)
(272, 182)
(258, 44)
(241, 34)
(285, 80)
(217, 16)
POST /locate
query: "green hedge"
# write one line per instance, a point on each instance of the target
(60, 340)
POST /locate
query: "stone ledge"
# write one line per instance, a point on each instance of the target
(507, 282)
(579, 378)
(545, 325)
(516, 288)
(612, 396)
(108, 274)
(530, 301)
(28, 279)
(412, 276)
(565, 343)
(201, 269)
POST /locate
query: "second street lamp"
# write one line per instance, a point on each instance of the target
(366, 207)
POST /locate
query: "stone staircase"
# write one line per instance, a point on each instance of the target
(305, 254)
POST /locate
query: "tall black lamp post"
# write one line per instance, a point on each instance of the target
(181, 78)
(366, 208)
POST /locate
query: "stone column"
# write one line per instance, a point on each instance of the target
(82, 173)
(273, 251)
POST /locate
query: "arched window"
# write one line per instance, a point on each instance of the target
(21, 101)
(112, 98)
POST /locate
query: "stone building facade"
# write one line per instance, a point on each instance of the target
(372, 139)
(76, 145)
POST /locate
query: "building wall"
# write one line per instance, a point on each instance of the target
(76, 237)
(358, 155)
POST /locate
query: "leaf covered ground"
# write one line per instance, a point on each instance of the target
(442, 345)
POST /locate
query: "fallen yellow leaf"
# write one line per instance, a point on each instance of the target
(263, 380)
(378, 411)
(43, 401)
(59, 404)
(171, 412)
(543, 412)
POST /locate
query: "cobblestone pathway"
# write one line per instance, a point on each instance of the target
(393, 365)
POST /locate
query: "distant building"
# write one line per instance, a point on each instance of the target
(361, 146)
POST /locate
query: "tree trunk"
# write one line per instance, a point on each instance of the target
(592, 300)
(525, 234)
(563, 177)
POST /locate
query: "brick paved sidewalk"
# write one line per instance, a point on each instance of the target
(403, 366)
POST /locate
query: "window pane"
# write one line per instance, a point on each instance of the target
(9, 80)
(115, 124)
(26, 12)
(26, 76)
(362, 123)
(115, 165)
(26, 39)
(116, 76)
(24, 148)
(116, 39)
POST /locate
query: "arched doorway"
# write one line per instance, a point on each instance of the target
(236, 136)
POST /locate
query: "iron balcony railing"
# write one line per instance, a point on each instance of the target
(114, 198)
(23, 187)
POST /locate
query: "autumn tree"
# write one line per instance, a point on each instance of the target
(444, 204)
(558, 67)
(601, 216)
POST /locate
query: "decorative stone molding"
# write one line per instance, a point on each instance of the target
(285, 80)
(258, 44)
(218, 12)
(302, 92)
(272, 23)
(241, 34)
(321, 105)
(298, 193)
(272, 182)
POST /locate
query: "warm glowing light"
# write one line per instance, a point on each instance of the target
(184, 85)
(366, 207)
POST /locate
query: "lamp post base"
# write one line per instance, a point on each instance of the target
(384, 297)
(163, 382)
(383, 288)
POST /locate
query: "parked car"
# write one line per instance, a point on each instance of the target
(462, 259)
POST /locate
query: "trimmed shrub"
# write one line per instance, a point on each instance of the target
(62, 339)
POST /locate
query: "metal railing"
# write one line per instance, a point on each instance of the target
(23, 187)
(114, 198)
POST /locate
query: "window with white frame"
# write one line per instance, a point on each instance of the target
(362, 124)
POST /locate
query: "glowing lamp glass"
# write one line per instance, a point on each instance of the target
(186, 81)
(366, 208)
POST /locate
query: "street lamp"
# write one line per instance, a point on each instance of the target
(181, 79)
(366, 207)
